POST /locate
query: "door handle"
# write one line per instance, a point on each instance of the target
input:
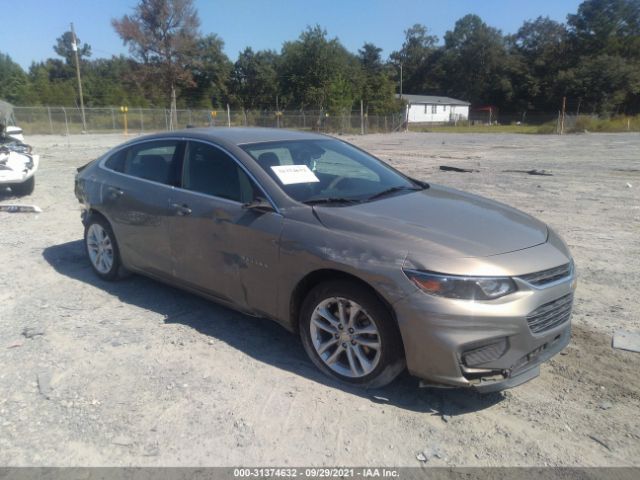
(115, 191)
(182, 210)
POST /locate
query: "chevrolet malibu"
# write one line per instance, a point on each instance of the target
(376, 271)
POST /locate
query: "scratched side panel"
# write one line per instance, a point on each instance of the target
(307, 246)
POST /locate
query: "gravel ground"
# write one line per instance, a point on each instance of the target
(138, 373)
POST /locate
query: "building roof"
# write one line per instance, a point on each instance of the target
(432, 100)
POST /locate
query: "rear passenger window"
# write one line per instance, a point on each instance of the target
(156, 161)
(211, 171)
(116, 161)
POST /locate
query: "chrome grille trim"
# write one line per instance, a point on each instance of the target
(551, 314)
(544, 277)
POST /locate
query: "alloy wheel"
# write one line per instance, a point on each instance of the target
(100, 248)
(345, 337)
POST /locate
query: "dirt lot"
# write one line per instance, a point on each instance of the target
(137, 373)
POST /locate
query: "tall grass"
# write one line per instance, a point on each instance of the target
(478, 128)
(580, 124)
(589, 123)
(613, 124)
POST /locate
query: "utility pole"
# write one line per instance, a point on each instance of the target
(74, 46)
(174, 109)
(406, 112)
(564, 109)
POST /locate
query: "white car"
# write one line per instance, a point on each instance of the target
(17, 165)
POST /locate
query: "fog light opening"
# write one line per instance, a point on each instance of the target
(487, 353)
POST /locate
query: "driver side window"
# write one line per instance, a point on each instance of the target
(211, 171)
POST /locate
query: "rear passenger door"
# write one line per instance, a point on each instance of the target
(221, 247)
(136, 199)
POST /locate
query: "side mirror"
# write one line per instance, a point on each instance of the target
(258, 204)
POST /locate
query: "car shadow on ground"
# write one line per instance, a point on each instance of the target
(262, 339)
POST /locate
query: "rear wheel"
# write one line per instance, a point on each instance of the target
(24, 188)
(350, 335)
(102, 249)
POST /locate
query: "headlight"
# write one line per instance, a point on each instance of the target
(465, 288)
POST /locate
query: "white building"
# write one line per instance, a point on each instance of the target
(432, 109)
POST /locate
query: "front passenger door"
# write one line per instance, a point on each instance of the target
(221, 247)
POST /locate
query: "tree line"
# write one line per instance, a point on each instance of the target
(593, 59)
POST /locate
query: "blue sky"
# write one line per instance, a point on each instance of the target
(263, 23)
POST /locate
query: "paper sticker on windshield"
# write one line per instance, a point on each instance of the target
(291, 174)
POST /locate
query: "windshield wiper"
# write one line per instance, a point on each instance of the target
(391, 190)
(343, 200)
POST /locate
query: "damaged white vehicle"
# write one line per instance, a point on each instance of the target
(18, 167)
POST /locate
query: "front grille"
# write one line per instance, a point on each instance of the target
(550, 314)
(547, 276)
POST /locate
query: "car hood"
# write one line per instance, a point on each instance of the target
(439, 221)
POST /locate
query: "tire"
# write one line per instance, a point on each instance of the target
(328, 345)
(24, 188)
(101, 248)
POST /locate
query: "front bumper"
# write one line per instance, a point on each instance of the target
(531, 369)
(487, 345)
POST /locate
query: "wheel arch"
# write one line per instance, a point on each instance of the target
(309, 281)
(94, 212)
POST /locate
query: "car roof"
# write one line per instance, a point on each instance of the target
(243, 135)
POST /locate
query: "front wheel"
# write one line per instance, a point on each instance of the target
(350, 335)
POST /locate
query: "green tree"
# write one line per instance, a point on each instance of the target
(113, 81)
(211, 70)
(64, 48)
(377, 87)
(609, 27)
(604, 37)
(314, 69)
(162, 35)
(414, 56)
(475, 64)
(540, 47)
(13, 81)
(604, 84)
(48, 87)
(254, 79)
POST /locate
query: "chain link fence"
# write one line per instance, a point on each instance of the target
(68, 121)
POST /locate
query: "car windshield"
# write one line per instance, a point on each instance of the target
(327, 171)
